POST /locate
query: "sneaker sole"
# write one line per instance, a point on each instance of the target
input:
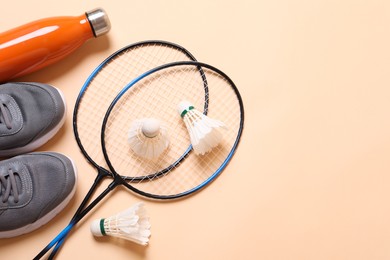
(40, 141)
(49, 216)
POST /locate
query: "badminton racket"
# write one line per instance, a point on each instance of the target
(96, 95)
(157, 94)
(153, 93)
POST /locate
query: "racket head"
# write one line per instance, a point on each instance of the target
(177, 172)
(106, 81)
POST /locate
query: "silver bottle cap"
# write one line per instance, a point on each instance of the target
(99, 21)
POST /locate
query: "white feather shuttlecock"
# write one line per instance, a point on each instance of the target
(204, 131)
(132, 224)
(148, 138)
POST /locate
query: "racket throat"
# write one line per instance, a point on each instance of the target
(103, 172)
(118, 180)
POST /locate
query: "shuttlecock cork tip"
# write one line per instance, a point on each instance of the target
(151, 127)
(184, 107)
(97, 228)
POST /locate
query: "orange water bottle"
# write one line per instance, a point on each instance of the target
(38, 44)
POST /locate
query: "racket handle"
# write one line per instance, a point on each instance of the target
(38, 44)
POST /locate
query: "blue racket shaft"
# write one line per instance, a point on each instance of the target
(78, 217)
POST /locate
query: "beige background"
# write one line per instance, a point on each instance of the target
(310, 179)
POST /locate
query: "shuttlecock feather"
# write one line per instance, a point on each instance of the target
(132, 224)
(147, 138)
(204, 131)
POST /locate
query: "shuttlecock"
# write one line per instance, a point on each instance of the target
(132, 224)
(147, 138)
(204, 131)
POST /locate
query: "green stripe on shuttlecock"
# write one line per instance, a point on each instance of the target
(102, 227)
(186, 111)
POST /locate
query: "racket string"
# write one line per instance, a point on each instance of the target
(111, 78)
(158, 96)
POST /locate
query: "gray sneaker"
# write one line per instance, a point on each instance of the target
(30, 114)
(34, 188)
